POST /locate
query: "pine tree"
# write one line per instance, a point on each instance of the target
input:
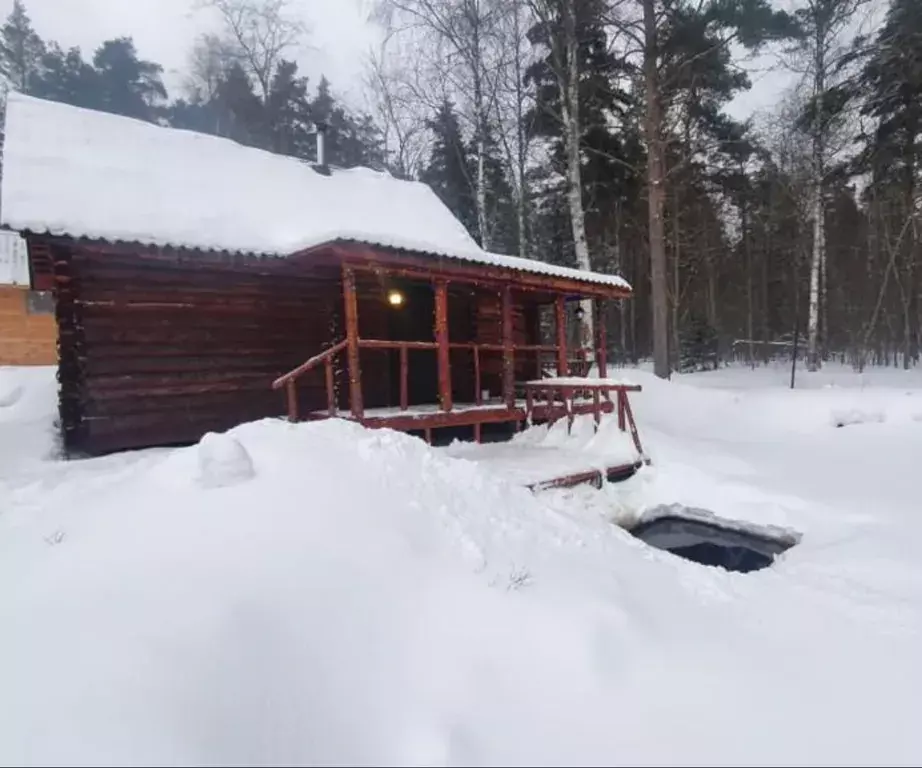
(126, 84)
(66, 77)
(240, 113)
(501, 216)
(891, 82)
(450, 171)
(287, 113)
(682, 35)
(21, 49)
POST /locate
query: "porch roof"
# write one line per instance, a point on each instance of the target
(84, 174)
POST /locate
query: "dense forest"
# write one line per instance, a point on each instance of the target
(594, 133)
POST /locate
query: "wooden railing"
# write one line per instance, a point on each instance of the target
(553, 392)
(289, 380)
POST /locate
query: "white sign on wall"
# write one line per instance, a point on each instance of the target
(14, 260)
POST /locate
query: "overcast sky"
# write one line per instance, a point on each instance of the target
(341, 35)
(165, 30)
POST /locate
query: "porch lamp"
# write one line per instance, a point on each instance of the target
(580, 312)
(395, 298)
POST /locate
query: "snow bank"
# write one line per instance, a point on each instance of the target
(28, 408)
(843, 418)
(223, 461)
(362, 598)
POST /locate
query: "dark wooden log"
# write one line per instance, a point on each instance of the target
(602, 338)
(567, 394)
(331, 387)
(594, 477)
(441, 339)
(386, 344)
(560, 312)
(292, 400)
(352, 338)
(478, 386)
(313, 362)
(508, 353)
(629, 415)
(404, 378)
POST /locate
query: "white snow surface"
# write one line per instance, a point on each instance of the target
(579, 381)
(83, 173)
(362, 598)
(549, 452)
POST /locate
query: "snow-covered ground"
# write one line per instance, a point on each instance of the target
(322, 594)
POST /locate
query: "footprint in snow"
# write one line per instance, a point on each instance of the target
(10, 396)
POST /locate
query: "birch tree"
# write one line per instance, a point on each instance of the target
(396, 109)
(512, 105)
(460, 36)
(558, 27)
(824, 24)
(257, 35)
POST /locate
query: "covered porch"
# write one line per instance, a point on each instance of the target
(424, 344)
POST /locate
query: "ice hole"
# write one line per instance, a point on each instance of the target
(702, 537)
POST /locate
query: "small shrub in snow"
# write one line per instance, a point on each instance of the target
(223, 461)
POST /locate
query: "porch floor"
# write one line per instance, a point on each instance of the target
(430, 415)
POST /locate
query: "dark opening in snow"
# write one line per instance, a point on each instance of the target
(699, 536)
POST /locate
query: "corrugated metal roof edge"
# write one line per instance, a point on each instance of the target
(553, 270)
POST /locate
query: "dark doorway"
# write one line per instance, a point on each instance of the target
(413, 319)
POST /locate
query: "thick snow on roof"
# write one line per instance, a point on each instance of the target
(82, 173)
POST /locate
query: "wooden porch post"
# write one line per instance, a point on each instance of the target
(508, 351)
(352, 341)
(601, 338)
(561, 318)
(441, 338)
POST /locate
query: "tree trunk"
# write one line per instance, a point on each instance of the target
(675, 357)
(750, 311)
(570, 108)
(656, 179)
(521, 159)
(480, 123)
(816, 182)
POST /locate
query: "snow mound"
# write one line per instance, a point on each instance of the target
(223, 461)
(366, 599)
(845, 418)
(10, 395)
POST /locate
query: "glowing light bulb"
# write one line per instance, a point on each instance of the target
(395, 298)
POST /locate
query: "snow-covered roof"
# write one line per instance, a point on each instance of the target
(81, 173)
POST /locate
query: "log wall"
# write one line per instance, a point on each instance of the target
(489, 330)
(158, 348)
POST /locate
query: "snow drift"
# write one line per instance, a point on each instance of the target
(357, 597)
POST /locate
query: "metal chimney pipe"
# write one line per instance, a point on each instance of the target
(321, 145)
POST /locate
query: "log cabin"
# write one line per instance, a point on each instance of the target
(199, 283)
